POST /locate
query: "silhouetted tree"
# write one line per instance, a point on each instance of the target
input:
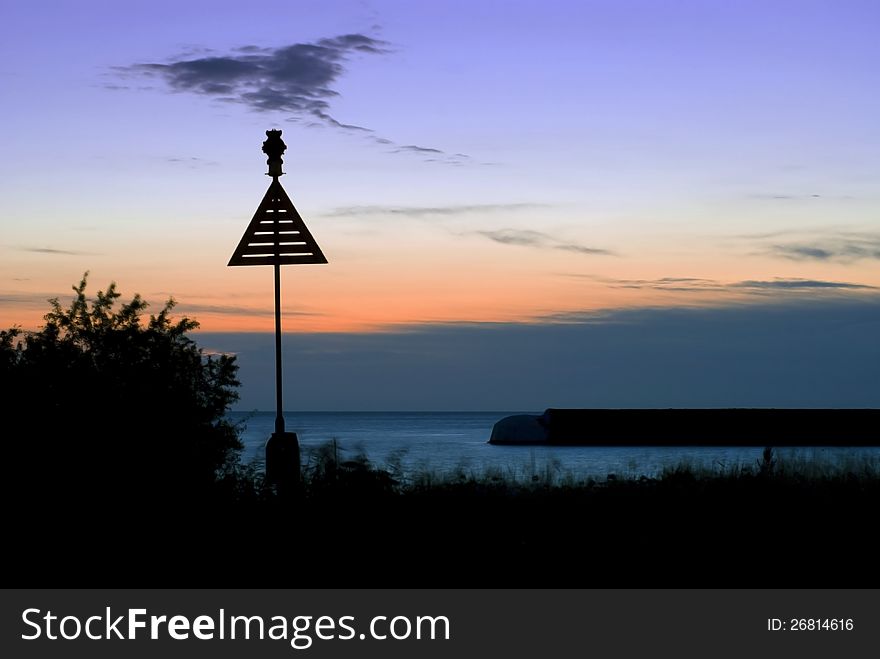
(100, 404)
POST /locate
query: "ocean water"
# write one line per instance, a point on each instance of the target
(444, 442)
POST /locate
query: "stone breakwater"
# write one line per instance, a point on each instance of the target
(692, 427)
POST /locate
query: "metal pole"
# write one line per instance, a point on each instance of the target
(279, 411)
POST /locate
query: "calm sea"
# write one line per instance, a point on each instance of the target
(442, 442)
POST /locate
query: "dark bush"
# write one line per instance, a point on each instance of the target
(101, 405)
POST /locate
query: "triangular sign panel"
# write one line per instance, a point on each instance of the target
(277, 234)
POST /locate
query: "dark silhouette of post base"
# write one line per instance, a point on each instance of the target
(282, 462)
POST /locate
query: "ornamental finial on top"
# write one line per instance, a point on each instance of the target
(274, 147)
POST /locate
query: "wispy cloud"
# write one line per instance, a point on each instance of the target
(800, 252)
(299, 80)
(831, 244)
(233, 310)
(529, 238)
(423, 211)
(685, 284)
(799, 284)
(52, 250)
(418, 149)
(699, 285)
(843, 249)
(26, 299)
(192, 162)
(32, 300)
(784, 196)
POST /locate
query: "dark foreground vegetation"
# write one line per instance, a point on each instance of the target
(765, 526)
(121, 471)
